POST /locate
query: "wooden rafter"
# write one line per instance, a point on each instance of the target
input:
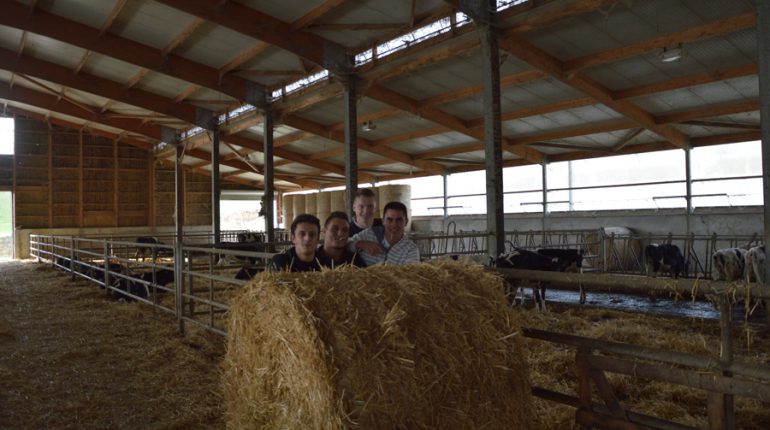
(182, 37)
(136, 78)
(60, 94)
(243, 57)
(77, 34)
(46, 101)
(187, 92)
(140, 98)
(407, 104)
(241, 18)
(82, 62)
(337, 135)
(111, 17)
(725, 26)
(22, 44)
(545, 62)
(314, 15)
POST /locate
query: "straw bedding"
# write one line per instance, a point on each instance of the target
(421, 346)
(72, 359)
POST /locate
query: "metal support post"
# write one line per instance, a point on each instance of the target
(351, 142)
(269, 175)
(215, 186)
(688, 183)
(763, 59)
(482, 13)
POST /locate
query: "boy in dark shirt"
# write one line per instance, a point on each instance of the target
(301, 257)
(334, 251)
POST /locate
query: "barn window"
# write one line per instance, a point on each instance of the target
(6, 136)
(239, 210)
(727, 175)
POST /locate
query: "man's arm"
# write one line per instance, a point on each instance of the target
(365, 241)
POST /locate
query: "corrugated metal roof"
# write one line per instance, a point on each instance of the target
(432, 110)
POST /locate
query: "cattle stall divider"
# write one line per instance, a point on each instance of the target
(720, 378)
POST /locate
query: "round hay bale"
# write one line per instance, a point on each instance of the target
(298, 206)
(288, 209)
(324, 206)
(622, 252)
(337, 201)
(311, 204)
(417, 346)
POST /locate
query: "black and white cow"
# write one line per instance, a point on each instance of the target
(145, 251)
(756, 263)
(551, 260)
(664, 256)
(246, 241)
(729, 264)
(140, 289)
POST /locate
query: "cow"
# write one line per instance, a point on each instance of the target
(143, 251)
(567, 260)
(247, 273)
(98, 273)
(246, 241)
(729, 264)
(131, 285)
(527, 260)
(756, 263)
(658, 257)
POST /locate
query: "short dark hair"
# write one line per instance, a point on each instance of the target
(365, 192)
(396, 206)
(336, 215)
(307, 218)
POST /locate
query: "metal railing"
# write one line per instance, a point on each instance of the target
(201, 287)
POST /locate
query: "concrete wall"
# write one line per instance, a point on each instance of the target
(706, 221)
(22, 236)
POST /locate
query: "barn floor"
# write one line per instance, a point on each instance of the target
(72, 359)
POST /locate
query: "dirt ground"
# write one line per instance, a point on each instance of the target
(70, 358)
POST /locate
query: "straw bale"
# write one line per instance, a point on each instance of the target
(419, 346)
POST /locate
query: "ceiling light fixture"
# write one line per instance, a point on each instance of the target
(369, 126)
(671, 54)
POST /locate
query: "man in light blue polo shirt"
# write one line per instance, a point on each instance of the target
(387, 244)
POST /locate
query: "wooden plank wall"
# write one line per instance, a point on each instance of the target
(68, 178)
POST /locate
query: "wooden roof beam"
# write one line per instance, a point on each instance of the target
(364, 144)
(111, 17)
(543, 61)
(48, 102)
(407, 104)
(74, 33)
(271, 30)
(316, 14)
(115, 91)
(719, 28)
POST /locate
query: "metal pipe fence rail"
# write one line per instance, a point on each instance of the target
(602, 252)
(720, 377)
(198, 292)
